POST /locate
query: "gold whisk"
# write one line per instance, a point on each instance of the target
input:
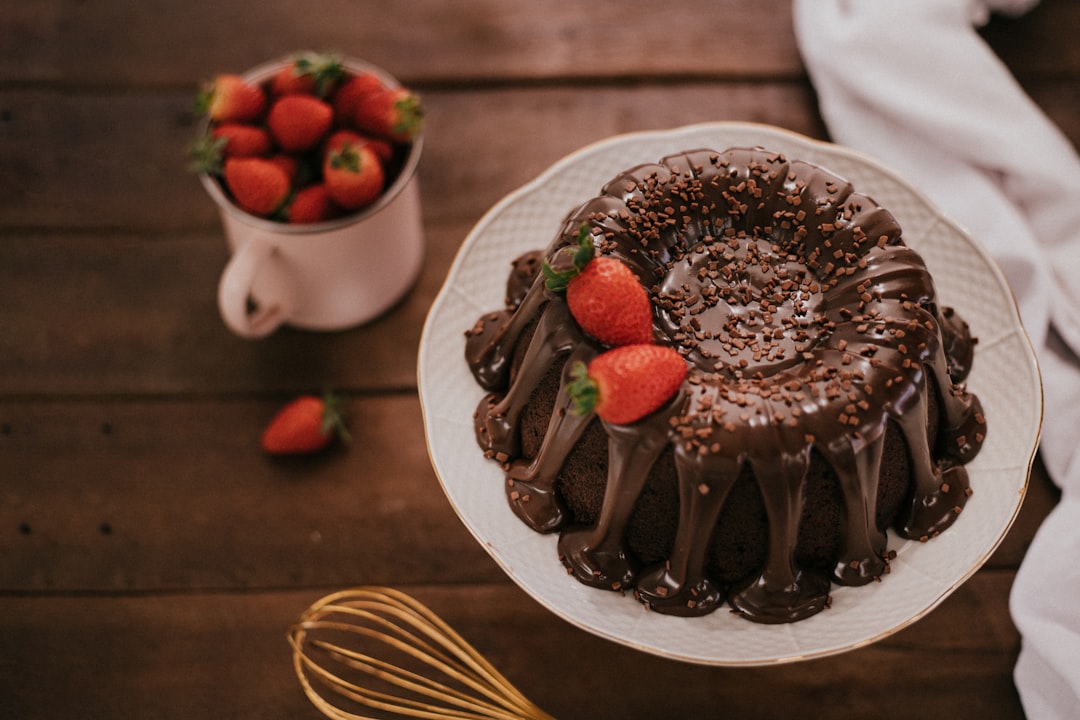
(328, 656)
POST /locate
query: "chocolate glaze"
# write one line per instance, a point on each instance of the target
(808, 328)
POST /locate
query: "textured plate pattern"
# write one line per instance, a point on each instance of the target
(1005, 376)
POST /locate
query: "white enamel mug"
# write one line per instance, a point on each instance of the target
(321, 276)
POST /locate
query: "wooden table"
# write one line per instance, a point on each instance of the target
(152, 559)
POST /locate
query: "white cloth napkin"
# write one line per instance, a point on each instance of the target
(912, 83)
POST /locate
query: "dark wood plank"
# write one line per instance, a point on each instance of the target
(147, 495)
(224, 655)
(423, 40)
(71, 156)
(151, 656)
(486, 144)
(1040, 42)
(1041, 497)
(473, 41)
(132, 313)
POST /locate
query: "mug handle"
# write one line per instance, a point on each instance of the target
(274, 296)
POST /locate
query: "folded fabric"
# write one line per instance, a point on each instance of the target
(912, 83)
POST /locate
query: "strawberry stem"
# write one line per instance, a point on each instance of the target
(207, 154)
(345, 158)
(324, 68)
(557, 280)
(410, 114)
(333, 419)
(204, 97)
(582, 389)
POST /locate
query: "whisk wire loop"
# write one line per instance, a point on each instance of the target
(404, 625)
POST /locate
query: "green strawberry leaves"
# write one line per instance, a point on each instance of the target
(582, 389)
(558, 280)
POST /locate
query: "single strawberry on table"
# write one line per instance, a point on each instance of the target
(307, 424)
(603, 294)
(627, 383)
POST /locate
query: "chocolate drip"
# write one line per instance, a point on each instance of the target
(862, 555)
(522, 276)
(597, 555)
(783, 591)
(680, 586)
(556, 333)
(489, 345)
(530, 485)
(959, 345)
(809, 329)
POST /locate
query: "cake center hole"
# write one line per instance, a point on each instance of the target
(741, 305)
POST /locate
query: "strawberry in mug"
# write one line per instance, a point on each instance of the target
(290, 119)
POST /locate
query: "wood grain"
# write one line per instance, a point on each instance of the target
(152, 558)
(143, 496)
(179, 656)
(117, 45)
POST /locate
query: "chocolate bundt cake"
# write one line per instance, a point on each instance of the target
(823, 401)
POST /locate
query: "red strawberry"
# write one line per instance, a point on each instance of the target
(350, 93)
(242, 140)
(208, 152)
(299, 122)
(354, 176)
(308, 74)
(339, 139)
(231, 98)
(610, 304)
(311, 205)
(393, 113)
(604, 296)
(383, 150)
(258, 185)
(305, 425)
(289, 164)
(627, 383)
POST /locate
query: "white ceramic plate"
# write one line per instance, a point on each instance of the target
(1005, 377)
